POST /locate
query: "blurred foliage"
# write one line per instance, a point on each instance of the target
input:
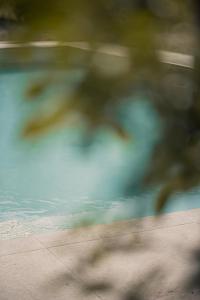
(143, 27)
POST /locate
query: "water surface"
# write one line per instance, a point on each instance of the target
(59, 179)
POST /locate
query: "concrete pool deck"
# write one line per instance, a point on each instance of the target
(154, 257)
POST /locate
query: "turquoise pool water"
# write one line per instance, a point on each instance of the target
(56, 181)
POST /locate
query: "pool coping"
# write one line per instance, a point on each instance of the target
(50, 239)
(167, 57)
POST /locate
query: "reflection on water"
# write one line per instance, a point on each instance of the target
(55, 177)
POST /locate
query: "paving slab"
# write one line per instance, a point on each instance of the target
(159, 256)
(19, 245)
(40, 275)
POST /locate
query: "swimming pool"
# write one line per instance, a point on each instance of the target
(54, 182)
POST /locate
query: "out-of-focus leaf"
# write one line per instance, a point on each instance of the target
(42, 123)
(37, 88)
(182, 182)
